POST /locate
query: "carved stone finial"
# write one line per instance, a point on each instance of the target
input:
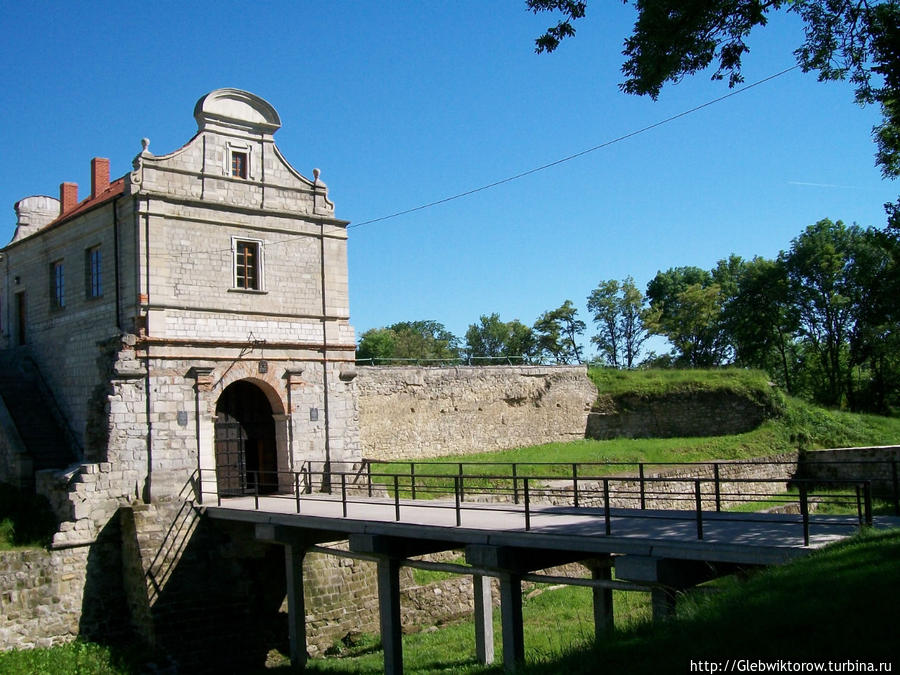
(316, 173)
(145, 144)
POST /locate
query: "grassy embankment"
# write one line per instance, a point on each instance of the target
(790, 423)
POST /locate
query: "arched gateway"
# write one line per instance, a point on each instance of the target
(245, 442)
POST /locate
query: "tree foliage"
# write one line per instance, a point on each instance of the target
(686, 306)
(557, 332)
(844, 39)
(416, 340)
(759, 322)
(618, 309)
(492, 338)
(821, 319)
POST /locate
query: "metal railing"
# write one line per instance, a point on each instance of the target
(585, 489)
(510, 360)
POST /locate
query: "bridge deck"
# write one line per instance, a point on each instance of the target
(662, 547)
(751, 538)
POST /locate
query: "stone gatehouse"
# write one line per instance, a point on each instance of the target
(184, 328)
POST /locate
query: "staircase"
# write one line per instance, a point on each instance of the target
(38, 427)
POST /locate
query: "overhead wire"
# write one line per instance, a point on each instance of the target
(562, 160)
(576, 155)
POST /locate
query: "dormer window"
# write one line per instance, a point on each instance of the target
(238, 164)
(239, 161)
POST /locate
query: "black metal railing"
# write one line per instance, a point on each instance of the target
(668, 490)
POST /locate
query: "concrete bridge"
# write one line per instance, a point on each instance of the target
(512, 535)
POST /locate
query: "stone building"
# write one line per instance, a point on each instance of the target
(182, 330)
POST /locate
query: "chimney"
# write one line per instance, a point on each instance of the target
(68, 197)
(99, 175)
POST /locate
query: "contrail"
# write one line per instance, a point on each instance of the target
(825, 185)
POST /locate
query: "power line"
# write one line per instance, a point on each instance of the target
(569, 158)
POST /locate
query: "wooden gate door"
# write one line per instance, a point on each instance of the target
(231, 457)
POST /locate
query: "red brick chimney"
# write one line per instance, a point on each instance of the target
(99, 175)
(68, 197)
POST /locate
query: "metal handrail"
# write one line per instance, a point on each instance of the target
(584, 490)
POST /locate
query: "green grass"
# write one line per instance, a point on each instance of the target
(26, 521)
(793, 424)
(775, 436)
(822, 502)
(838, 604)
(553, 620)
(753, 384)
(76, 658)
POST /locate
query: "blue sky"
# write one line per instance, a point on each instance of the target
(400, 104)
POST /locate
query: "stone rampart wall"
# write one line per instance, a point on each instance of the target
(684, 414)
(877, 464)
(419, 412)
(333, 585)
(41, 595)
(52, 597)
(740, 482)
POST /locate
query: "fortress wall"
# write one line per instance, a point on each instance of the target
(713, 413)
(413, 411)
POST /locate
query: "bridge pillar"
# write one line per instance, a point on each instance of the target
(389, 614)
(603, 597)
(484, 619)
(296, 542)
(511, 620)
(293, 559)
(389, 552)
(662, 603)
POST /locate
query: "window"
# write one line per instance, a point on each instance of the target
(93, 274)
(239, 164)
(247, 265)
(238, 161)
(20, 319)
(57, 285)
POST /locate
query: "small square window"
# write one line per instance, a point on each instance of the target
(238, 164)
(93, 273)
(57, 285)
(246, 265)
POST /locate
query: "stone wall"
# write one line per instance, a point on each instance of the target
(880, 465)
(52, 597)
(412, 411)
(741, 482)
(714, 413)
(332, 584)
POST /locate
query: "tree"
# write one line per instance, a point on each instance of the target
(417, 340)
(377, 344)
(556, 333)
(759, 323)
(494, 338)
(618, 310)
(820, 291)
(843, 38)
(687, 308)
(874, 275)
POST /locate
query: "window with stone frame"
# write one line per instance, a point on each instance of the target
(93, 273)
(57, 285)
(247, 265)
(239, 164)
